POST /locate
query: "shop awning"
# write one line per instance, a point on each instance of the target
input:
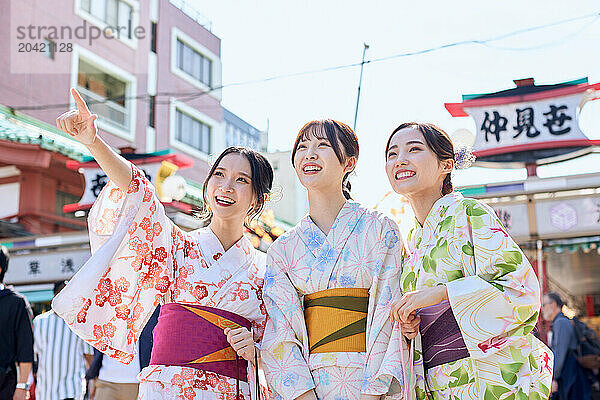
(40, 293)
(38, 296)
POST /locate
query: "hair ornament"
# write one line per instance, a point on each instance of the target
(464, 157)
(275, 195)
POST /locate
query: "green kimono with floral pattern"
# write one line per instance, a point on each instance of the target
(495, 297)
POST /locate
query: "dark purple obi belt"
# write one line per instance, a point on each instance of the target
(440, 335)
(192, 336)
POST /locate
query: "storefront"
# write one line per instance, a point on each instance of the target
(36, 262)
(557, 221)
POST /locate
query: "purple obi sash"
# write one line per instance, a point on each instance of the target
(440, 335)
(192, 336)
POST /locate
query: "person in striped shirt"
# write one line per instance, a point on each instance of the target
(62, 357)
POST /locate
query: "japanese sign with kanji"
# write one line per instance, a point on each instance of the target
(96, 179)
(45, 266)
(519, 126)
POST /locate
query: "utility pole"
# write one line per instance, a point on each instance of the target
(362, 65)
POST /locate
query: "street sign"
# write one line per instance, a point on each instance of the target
(45, 265)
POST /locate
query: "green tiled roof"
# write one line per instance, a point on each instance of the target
(20, 128)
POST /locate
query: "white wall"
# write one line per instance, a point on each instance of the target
(292, 204)
(9, 193)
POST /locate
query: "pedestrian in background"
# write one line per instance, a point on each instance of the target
(62, 357)
(16, 338)
(568, 381)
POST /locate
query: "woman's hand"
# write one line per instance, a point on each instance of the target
(410, 329)
(242, 342)
(80, 123)
(412, 301)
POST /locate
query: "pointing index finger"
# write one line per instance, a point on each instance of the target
(81, 105)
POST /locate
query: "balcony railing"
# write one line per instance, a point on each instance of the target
(191, 11)
(110, 112)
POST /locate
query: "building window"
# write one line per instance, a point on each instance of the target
(114, 13)
(153, 38)
(228, 135)
(192, 132)
(49, 48)
(193, 63)
(105, 94)
(235, 136)
(152, 111)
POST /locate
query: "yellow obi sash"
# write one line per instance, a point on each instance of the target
(336, 320)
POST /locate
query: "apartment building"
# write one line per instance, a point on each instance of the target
(150, 69)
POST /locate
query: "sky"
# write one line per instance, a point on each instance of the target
(267, 38)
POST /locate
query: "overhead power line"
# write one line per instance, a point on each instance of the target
(489, 42)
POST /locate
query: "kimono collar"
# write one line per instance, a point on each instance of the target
(436, 214)
(213, 251)
(345, 222)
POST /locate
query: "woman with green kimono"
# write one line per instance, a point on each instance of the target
(471, 298)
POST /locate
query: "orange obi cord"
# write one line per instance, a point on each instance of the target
(336, 320)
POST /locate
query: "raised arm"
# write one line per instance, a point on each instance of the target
(81, 125)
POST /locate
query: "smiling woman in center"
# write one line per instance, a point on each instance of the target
(330, 282)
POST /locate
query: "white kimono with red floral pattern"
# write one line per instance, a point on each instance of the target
(140, 259)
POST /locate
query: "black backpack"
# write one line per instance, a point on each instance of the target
(588, 345)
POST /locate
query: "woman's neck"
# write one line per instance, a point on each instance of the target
(228, 232)
(423, 201)
(324, 208)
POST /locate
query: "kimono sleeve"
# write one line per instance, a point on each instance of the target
(498, 299)
(109, 300)
(284, 364)
(384, 341)
(259, 315)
